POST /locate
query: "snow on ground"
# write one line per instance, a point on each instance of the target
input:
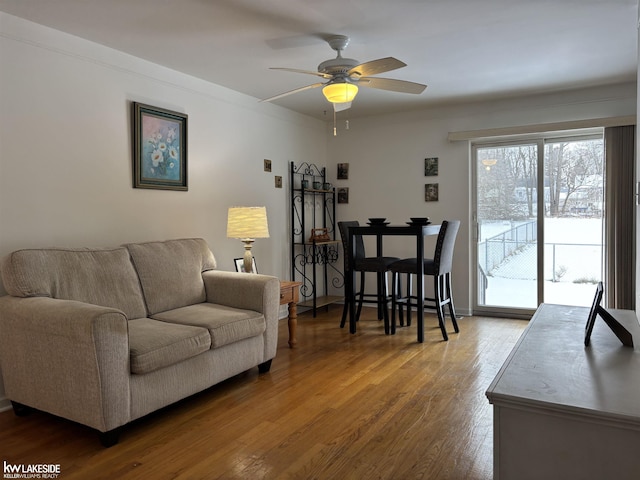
(506, 292)
(573, 253)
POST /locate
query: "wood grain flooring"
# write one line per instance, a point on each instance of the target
(339, 406)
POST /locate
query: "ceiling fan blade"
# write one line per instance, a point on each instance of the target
(376, 66)
(401, 86)
(291, 92)
(297, 70)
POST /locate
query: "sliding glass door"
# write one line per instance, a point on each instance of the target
(506, 225)
(573, 220)
(538, 218)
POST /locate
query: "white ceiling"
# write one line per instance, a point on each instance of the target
(463, 50)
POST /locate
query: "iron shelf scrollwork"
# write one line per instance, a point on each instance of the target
(313, 206)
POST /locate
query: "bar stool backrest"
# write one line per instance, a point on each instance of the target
(344, 234)
(443, 256)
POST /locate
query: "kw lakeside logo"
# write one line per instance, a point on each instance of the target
(36, 470)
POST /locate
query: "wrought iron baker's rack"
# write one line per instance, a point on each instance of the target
(313, 205)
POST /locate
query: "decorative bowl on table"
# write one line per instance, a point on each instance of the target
(419, 221)
(377, 221)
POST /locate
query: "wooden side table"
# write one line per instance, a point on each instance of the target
(290, 294)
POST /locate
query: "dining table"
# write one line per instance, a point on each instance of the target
(381, 230)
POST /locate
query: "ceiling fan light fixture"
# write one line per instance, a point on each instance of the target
(340, 92)
(489, 162)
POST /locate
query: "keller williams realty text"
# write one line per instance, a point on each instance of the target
(37, 470)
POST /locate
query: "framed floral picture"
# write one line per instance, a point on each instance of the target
(159, 148)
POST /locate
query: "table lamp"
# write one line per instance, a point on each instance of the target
(247, 224)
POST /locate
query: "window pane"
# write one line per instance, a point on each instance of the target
(573, 224)
(507, 226)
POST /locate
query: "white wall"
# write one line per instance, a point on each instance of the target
(65, 155)
(386, 159)
(65, 169)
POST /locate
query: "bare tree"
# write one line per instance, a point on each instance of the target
(508, 183)
(572, 167)
(528, 168)
(554, 174)
(510, 170)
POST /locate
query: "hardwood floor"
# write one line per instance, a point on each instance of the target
(339, 406)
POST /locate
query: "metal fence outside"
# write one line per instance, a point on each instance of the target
(513, 254)
(494, 250)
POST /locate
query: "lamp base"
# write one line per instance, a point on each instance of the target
(248, 258)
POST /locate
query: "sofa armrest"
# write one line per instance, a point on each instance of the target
(260, 293)
(242, 290)
(66, 357)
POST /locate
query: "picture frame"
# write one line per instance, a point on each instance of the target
(431, 167)
(593, 313)
(240, 265)
(343, 171)
(267, 165)
(624, 335)
(343, 195)
(159, 148)
(430, 192)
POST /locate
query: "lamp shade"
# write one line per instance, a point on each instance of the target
(247, 222)
(340, 92)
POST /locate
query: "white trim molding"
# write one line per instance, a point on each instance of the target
(542, 128)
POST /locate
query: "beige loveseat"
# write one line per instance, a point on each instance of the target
(105, 336)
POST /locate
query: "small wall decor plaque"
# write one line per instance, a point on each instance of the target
(431, 192)
(343, 171)
(159, 148)
(343, 195)
(431, 167)
(278, 181)
(267, 165)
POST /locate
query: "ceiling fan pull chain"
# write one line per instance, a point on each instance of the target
(335, 130)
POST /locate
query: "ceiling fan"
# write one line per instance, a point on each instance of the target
(344, 75)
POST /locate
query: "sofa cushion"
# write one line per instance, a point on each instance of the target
(171, 272)
(225, 324)
(104, 277)
(154, 345)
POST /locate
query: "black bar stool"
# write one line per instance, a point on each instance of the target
(363, 264)
(439, 267)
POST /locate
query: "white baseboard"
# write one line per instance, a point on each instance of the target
(5, 404)
(284, 311)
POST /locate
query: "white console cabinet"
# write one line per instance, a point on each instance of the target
(566, 411)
